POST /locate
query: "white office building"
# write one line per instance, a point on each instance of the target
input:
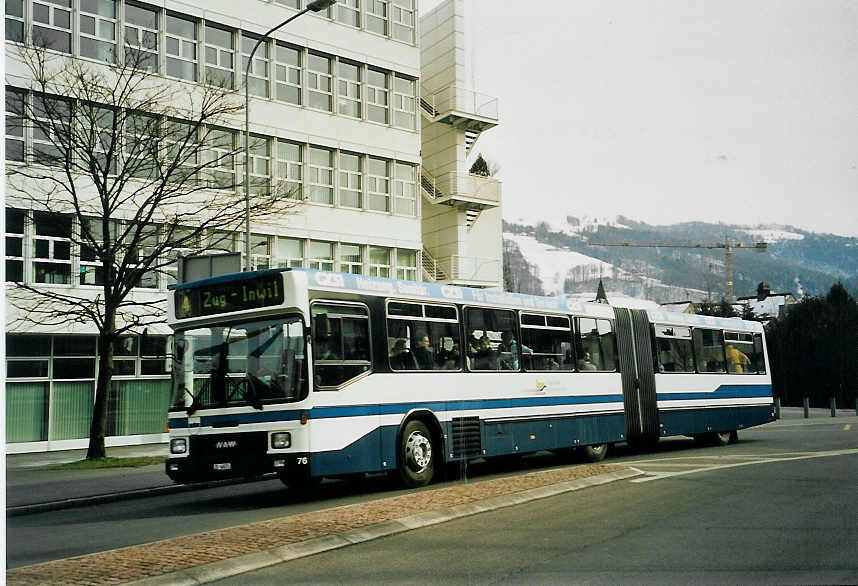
(340, 107)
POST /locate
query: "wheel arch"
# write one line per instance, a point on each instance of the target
(430, 420)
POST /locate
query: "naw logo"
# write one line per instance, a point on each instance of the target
(226, 444)
(540, 386)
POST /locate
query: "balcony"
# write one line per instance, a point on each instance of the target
(461, 107)
(472, 191)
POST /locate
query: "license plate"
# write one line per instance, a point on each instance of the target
(224, 466)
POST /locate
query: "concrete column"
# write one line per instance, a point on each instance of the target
(833, 407)
(777, 407)
(806, 407)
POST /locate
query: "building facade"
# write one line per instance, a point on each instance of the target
(335, 112)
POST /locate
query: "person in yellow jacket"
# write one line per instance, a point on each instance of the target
(737, 360)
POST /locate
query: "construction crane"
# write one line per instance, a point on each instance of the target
(727, 245)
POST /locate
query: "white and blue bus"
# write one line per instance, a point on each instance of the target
(311, 374)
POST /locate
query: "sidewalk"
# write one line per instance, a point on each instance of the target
(213, 555)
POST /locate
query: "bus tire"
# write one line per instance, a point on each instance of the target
(595, 452)
(417, 455)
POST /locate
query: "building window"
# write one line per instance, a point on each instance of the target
(181, 241)
(91, 269)
(260, 164)
(287, 74)
(14, 125)
(97, 122)
(220, 51)
(404, 100)
(290, 252)
(260, 251)
(98, 29)
(320, 181)
(378, 185)
(376, 96)
(289, 168)
(257, 76)
(321, 256)
(320, 94)
(349, 94)
(52, 248)
(406, 264)
(376, 16)
(220, 241)
(180, 141)
(220, 155)
(296, 4)
(348, 12)
(350, 259)
(146, 248)
(15, 222)
(49, 116)
(405, 189)
(52, 24)
(350, 180)
(181, 42)
(15, 20)
(141, 37)
(379, 261)
(141, 147)
(403, 20)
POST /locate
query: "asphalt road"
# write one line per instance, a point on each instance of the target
(60, 534)
(780, 507)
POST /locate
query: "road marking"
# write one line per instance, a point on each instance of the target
(847, 427)
(762, 460)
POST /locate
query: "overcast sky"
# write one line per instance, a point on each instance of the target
(673, 110)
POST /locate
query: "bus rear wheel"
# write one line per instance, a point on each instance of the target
(595, 452)
(416, 455)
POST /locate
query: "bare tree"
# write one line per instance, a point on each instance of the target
(145, 169)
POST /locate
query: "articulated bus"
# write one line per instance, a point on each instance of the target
(310, 374)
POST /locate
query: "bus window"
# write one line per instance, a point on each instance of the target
(595, 345)
(546, 345)
(673, 348)
(740, 349)
(423, 337)
(492, 343)
(340, 343)
(758, 360)
(709, 350)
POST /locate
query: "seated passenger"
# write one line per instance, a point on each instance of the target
(401, 358)
(423, 353)
(485, 358)
(585, 363)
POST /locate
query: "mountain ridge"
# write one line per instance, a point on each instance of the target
(561, 256)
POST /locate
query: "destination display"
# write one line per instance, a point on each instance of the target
(229, 296)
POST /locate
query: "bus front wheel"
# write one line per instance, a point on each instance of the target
(417, 455)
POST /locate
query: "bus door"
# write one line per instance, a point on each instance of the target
(634, 347)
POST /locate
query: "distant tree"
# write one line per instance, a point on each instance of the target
(480, 167)
(812, 349)
(719, 309)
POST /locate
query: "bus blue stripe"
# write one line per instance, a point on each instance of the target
(722, 392)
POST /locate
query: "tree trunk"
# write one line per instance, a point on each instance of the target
(98, 426)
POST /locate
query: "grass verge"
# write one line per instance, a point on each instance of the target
(138, 462)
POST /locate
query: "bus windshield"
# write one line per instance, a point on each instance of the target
(249, 363)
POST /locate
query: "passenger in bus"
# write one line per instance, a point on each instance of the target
(452, 358)
(737, 361)
(508, 350)
(327, 350)
(423, 352)
(585, 363)
(401, 358)
(485, 357)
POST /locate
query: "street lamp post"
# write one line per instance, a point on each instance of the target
(314, 6)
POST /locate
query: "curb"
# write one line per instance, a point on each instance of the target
(247, 563)
(69, 503)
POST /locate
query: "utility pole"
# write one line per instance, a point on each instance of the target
(727, 245)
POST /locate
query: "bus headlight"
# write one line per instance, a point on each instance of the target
(281, 440)
(178, 445)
